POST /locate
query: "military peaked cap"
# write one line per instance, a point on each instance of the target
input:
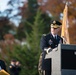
(56, 24)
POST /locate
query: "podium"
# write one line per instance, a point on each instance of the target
(63, 60)
(3, 72)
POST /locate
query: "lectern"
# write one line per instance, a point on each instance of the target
(63, 59)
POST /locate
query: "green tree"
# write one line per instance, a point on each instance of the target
(34, 48)
(28, 54)
(33, 40)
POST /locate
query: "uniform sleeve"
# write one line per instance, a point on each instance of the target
(61, 40)
(43, 43)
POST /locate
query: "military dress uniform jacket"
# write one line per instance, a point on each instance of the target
(46, 42)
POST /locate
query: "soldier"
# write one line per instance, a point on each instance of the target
(18, 67)
(12, 67)
(48, 42)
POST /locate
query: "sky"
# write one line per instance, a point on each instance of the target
(3, 4)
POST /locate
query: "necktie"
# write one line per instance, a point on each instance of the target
(55, 37)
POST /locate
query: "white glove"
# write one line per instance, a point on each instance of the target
(47, 50)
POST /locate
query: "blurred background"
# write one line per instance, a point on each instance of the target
(22, 23)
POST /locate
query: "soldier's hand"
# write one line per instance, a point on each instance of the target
(48, 50)
(10, 66)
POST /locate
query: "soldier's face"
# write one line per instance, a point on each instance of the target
(54, 31)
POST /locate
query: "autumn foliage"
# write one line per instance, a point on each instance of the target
(56, 7)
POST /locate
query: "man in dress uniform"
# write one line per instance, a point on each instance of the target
(48, 43)
(12, 67)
